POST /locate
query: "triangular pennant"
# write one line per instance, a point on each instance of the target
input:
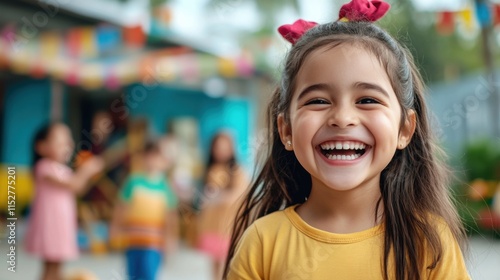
(445, 23)
(483, 13)
(73, 44)
(88, 43)
(134, 36)
(496, 13)
(467, 17)
(50, 44)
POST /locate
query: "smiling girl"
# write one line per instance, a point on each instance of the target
(353, 186)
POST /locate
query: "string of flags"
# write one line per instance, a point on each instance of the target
(471, 18)
(109, 57)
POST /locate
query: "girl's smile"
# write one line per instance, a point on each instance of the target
(341, 152)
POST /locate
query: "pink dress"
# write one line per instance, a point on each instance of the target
(52, 228)
(217, 214)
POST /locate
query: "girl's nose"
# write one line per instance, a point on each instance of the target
(343, 117)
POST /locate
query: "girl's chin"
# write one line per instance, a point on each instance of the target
(340, 186)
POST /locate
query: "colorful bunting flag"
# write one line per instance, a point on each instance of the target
(227, 67)
(244, 65)
(59, 68)
(91, 76)
(111, 81)
(133, 36)
(88, 46)
(50, 44)
(190, 68)
(445, 23)
(72, 75)
(467, 18)
(496, 12)
(108, 38)
(73, 42)
(62, 55)
(483, 13)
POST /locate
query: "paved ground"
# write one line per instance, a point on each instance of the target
(484, 264)
(186, 265)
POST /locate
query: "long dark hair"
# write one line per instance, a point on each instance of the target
(211, 157)
(231, 165)
(413, 186)
(41, 135)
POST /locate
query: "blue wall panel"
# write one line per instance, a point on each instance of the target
(27, 107)
(161, 104)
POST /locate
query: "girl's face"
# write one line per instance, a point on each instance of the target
(344, 118)
(59, 144)
(222, 149)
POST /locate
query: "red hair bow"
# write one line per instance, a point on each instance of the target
(363, 10)
(356, 10)
(293, 32)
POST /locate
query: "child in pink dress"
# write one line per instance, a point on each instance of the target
(52, 227)
(225, 182)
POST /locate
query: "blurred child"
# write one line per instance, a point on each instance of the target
(52, 227)
(225, 181)
(146, 215)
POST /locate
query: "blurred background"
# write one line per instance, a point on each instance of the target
(119, 72)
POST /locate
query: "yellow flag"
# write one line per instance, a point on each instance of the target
(468, 19)
(50, 44)
(88, 42)
(227, 67)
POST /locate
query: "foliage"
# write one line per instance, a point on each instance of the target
(482, 160)
(482, 169)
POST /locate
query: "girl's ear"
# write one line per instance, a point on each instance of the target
(407, 130)
(285, 132)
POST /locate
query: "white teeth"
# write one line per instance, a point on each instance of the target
(339, 145)
(343, 157)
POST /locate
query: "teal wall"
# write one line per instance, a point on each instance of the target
(162, 104)
(27, 107)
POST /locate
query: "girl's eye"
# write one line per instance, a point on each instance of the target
(368, 100)
(317, 102)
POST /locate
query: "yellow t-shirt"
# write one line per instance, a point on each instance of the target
(283, 246)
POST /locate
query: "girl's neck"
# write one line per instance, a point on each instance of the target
(342, 211)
